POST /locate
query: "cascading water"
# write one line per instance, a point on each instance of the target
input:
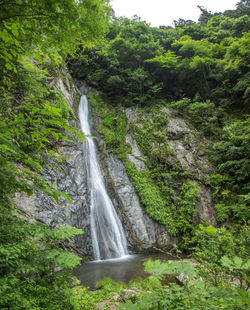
(107, 234)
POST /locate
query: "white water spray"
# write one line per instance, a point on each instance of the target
(108, 238)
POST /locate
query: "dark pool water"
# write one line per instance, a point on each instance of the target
(122, 269)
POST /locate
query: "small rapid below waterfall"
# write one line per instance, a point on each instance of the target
(108, 238)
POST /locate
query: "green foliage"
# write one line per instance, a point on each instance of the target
(151, 197)
(114, 124)
(33, 116)
(114, 130)
(35, 271)
(237, 267)
(166, 61)
(119, 67)
(145, 284)
(106, 288)
(159, 269)
(193, 297)
(187, 210)
(109, 285)
(87, 300)
(232, 155)
(223, 255)
(203, 115)
(36, 37)
(233, 207)
(137, 62)
(194, 293)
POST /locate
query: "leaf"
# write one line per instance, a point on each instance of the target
(68, 260)
(29, 192)
(237, 262)
(210, 229)
(158, 268)
(246, 266)
(5, 36)
(226, 262)
(8, 66)
(65, 196)
(80, 135)
(14, 30)
(65, 232)
(55, 135)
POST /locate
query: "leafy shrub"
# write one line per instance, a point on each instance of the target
(205, 116)
(195, 293)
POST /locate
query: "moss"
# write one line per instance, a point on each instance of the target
(113, 127)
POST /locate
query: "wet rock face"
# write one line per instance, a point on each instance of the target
(136, 156)
(143, 233)
(205, 206)
(139, 227)
(70, 178)
(187, 150)
(191, 157)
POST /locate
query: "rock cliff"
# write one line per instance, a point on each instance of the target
(170, 155)
(70, 178)
(143, 233)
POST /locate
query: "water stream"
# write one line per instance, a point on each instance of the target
(107, 235)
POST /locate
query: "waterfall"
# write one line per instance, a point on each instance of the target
(107, 234)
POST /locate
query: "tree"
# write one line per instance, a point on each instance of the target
(205, 16)
(36, 38)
